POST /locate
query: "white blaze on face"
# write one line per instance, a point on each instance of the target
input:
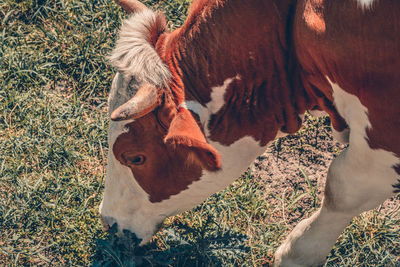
(124, 201)
(122, 194)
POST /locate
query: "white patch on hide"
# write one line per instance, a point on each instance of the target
(365, 4)
(342, 137)
(235, 158)
(217, 96)
(216, 103)
(197, 108)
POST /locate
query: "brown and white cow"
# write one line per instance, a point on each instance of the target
(192, 108)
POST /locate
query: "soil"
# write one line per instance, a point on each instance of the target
(289, 161)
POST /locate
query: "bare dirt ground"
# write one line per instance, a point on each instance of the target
(294, 171)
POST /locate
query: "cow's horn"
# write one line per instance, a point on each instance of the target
(131, 6)
(145, 100)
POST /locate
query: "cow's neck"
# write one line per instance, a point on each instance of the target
(241, 48)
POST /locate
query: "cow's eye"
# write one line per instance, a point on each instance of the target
(136, 160)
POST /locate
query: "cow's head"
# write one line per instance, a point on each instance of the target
(160, 162)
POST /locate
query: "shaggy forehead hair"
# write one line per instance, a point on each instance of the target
(134, 56)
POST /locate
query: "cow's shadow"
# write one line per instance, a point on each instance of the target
(176, 245)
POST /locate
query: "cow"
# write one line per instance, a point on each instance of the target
(192, 108)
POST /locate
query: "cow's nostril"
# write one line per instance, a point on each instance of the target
(106, 227)
(106, 222)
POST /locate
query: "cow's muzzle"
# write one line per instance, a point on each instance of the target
(107, 222)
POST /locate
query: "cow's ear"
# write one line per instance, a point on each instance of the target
(184, 132)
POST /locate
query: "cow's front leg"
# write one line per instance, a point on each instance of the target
(356, 182)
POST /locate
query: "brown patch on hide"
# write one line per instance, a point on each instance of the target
(244, 39)
(167, 169)
(359, 51)
(314, 15)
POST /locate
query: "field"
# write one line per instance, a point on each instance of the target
(54, 81)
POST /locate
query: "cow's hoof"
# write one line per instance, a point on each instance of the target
(298, 250)
(282, 259)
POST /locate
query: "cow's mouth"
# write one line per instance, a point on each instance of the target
(109, 224)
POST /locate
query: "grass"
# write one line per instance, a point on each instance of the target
(54, 81)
